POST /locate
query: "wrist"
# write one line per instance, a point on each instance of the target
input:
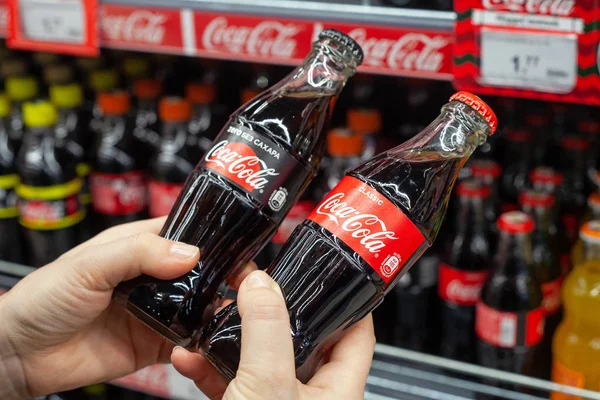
(13, 384)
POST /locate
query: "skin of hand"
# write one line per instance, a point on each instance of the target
(59, 328)
(267, 370)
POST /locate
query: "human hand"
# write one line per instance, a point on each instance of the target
(59, 328)
(266, 370)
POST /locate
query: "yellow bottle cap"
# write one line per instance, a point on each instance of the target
(58, 74)
(135, 67)
(590, 232)
(39, 114)
(103, 80)
(4, 105)
(21, 88)
(66, 96)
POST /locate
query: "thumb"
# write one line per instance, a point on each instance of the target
(267, 368)
(104, 266)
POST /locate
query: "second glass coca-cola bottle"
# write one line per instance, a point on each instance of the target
(361, 239)
(237, 196)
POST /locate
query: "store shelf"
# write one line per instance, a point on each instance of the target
(395, 374)
(396, 41)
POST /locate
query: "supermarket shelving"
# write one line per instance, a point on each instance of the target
(396, 41)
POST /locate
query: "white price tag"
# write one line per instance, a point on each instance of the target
(53, 20)
(529, 60)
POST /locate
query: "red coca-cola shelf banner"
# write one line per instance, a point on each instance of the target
(539, 49)
(388, 50)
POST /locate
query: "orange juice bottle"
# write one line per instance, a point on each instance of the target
(593, 212)
(576, 345)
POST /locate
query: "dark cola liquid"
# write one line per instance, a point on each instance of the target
(225, 222)
(328, 287)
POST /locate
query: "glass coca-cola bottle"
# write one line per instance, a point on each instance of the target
(546, 258)
(233, 202)
(488, 172)
(361, 239)
(510, 317)
(147, 128)
(462, 271)
(202, 127)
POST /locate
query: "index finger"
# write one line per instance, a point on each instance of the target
(349, 362)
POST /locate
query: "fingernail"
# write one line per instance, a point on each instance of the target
(177, 348)
(183, 251)
(259, 279)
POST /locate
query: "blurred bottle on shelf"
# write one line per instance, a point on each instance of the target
(592, 213)
(10, 235)
(19, 89)
(98, 391)
(576, 186)
(260, 80)
(517, 163)
(416, 307)
(509, 321)
(575, 351)
(146, 93)
(488, 172)
(367, 123)
(50, 209)
(172, 163)
(462, 272)
(13, 67)
(72, 132)
(204, 124)
(537, 123)
(546, 258)
(345, 148)
(100, 81)
(231, 205)
(117, 180)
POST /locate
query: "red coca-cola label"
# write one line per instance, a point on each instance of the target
(295, 217)
(258, 166)
(148, 28)
(162, 196)
(460, 287)
(562, 8)
(552, 298)
(509, 329)
(118, 194)
(371, 225)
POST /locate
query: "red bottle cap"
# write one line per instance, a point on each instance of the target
(174, 109)
(590, 232)
(545, 175)
(519, 136)
(480, 106)
(485, 168)
(200, 93)
(535, 199)
(472, 189)
(574, 143)
(147, 88)
(516, 222)
(114, 103)
(364, 120)
(344, 142)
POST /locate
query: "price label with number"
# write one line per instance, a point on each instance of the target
(63, 26)
(529, 60)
